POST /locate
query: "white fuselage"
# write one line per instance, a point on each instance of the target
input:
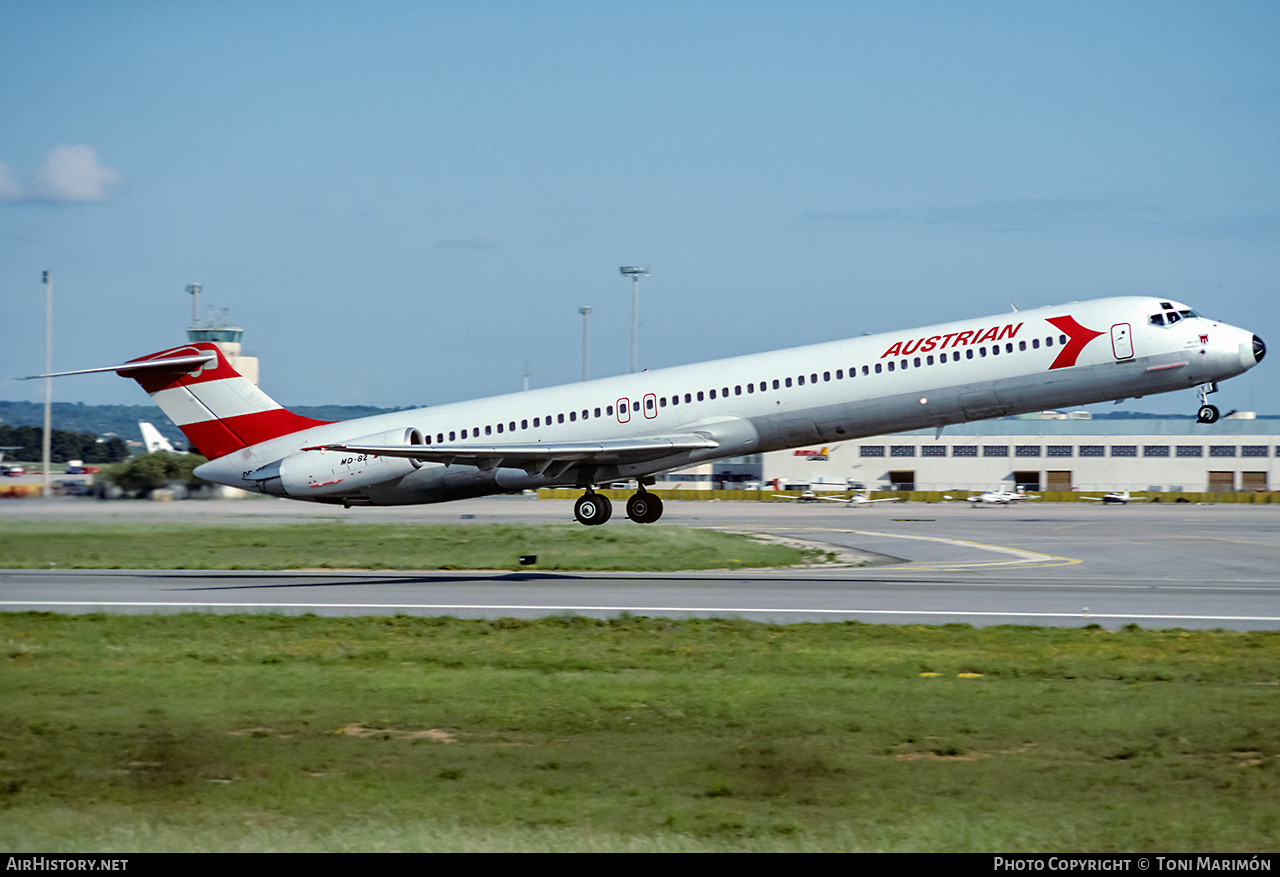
(950, 373)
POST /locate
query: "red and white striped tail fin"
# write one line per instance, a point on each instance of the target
(216, 407)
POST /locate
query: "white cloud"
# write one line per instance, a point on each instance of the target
(69, 173)
(72, 173)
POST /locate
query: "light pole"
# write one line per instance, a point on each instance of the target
(635, 274)
(47, 490)
(585, 310)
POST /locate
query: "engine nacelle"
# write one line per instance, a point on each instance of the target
(331, 474)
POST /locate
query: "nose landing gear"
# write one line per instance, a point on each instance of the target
(1207, 413)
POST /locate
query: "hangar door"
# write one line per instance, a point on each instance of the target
(1058, 480)
(1253, 481)
(1029, 480)
(902, 479)
(1222, 482)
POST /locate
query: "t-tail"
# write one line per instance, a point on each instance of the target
(217, 408)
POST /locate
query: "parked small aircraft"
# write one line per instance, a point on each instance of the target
(999, 496)
(861, 499)
(1119, 497)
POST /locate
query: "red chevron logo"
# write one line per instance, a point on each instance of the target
(1077, 337)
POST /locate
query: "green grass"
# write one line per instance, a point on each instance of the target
(254, 732)
(337, 545)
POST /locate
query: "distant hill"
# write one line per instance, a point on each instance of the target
(122, 420)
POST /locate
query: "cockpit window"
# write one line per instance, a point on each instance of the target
(1171, 314)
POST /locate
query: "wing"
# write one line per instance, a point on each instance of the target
(537, 458)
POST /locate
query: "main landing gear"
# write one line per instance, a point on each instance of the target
(643, 507)
(592, 508)
(1207, 413)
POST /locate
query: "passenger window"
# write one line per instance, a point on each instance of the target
(499, 429)
(559, 418)
(635, 406)
(597, 412)
(826, 376)
(800, 380)
(488, 430)
(451, 438)
(524, 424)
(713, 394)
(788, 382)
(891, 365)
(699, 395)
(877, 368)
(775, 383)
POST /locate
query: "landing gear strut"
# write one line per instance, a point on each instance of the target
(592, 508)
(1207, 413)
(644, 507)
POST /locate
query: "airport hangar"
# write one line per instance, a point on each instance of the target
(1048, 452)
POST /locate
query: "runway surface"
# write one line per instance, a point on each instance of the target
(1070, 564)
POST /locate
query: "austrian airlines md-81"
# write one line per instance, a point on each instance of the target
(633, 426)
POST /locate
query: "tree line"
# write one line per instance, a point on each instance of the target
(63, 445)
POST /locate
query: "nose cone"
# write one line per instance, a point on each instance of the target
(1259, 349)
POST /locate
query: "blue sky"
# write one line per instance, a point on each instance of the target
(401, 203)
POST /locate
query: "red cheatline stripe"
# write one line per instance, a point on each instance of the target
(217, 438)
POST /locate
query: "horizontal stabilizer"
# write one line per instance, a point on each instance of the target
(129, 369)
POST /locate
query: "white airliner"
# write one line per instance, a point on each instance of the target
(153, 439)
(636, 425)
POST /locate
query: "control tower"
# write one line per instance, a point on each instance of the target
(225, 337)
